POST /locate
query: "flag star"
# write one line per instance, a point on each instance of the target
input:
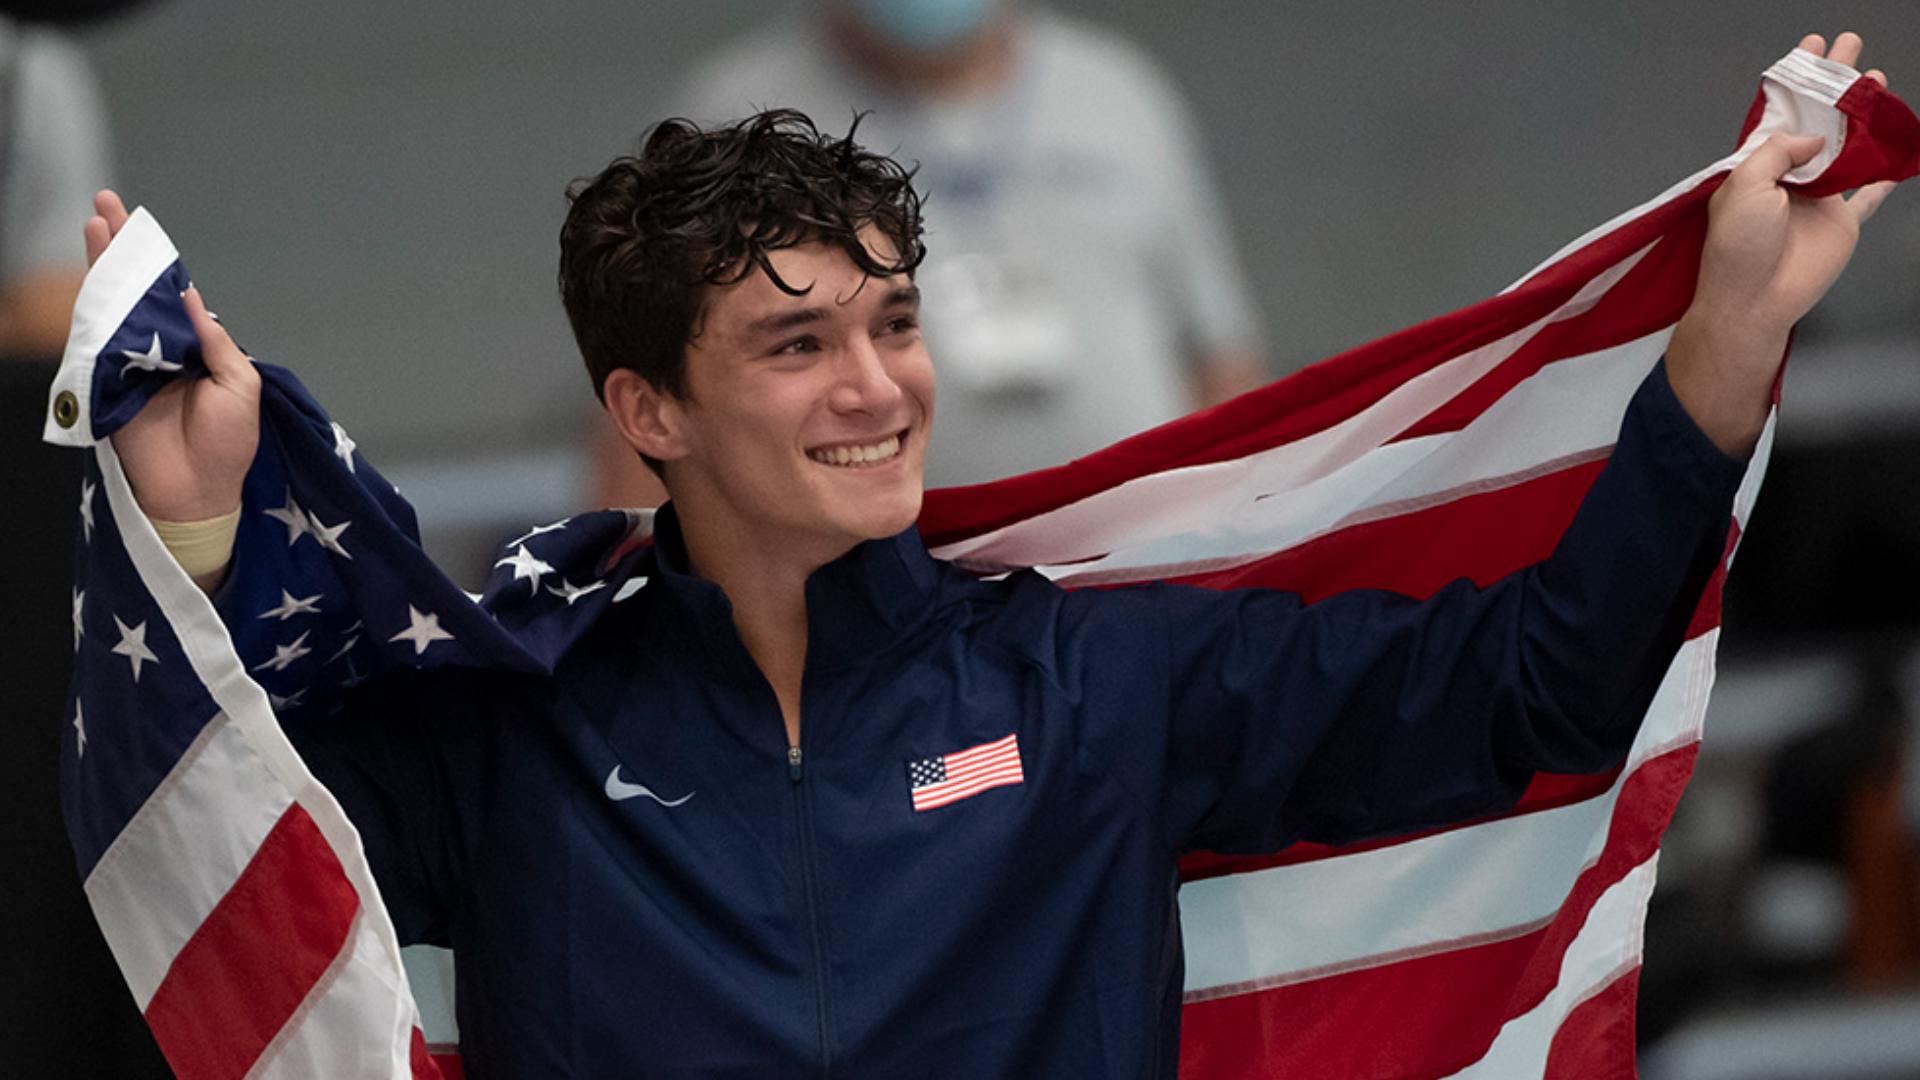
(632, 586)
(353, 679)
(526, 566)
(294, 518)
(289, 607)
(151, 360)
(79, 730)
(344, 650)
(570, 592)
(133, 646)
(86, 509)
(329, 535)
(422, 630)
(286, 654)
(537, 530)
(79, 601)
(343, 446)
(291, 701)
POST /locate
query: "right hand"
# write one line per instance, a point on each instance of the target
(188, 450)
(1770, 255)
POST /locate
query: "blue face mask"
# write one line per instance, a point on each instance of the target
(925, 25)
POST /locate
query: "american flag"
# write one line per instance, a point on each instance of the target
(235, 896)
(948, 778)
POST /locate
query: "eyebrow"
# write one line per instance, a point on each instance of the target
(898, 297)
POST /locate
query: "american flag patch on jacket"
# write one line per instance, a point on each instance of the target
(937, 781)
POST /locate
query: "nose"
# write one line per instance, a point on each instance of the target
(864, 383)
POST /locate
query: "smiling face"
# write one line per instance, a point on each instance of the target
(804, 427)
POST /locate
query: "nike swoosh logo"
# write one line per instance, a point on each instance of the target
(619, 790)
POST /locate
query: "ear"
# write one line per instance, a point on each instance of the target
(650, 420)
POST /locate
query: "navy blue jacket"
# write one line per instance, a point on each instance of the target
(800, 918)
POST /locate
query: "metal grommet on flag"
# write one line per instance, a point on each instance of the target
(66, 409)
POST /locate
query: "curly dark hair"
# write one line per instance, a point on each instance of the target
(645, 239)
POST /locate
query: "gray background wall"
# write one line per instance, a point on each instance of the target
(370, 192)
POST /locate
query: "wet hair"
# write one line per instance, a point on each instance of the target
(646, 239)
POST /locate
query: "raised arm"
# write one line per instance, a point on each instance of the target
(1368, 712)
(187, 452)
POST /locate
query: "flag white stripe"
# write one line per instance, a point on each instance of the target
(1749, 492)
(1587, 396)
(1269, 927)
(188, 843)
(1608, 946)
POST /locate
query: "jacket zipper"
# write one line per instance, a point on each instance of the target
(810, 877)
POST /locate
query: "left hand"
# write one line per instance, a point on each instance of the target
(1770, 255)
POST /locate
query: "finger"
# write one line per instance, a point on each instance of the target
(1878, 76)
(1868, 199)
(1814, 44)
(224, 359)
(1779, 155)
(1846, 49)
(97, 237)
(107, 203)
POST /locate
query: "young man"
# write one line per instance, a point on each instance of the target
(691, 849)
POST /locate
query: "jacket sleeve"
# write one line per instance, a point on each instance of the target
(1368, 713)
(406, 756)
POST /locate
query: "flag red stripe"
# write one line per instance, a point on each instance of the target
(257, 955)
(1431, 1014)
(1596, 1040)
(1882, 143)
(422, 1063)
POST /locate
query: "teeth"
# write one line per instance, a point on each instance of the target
(858, 455)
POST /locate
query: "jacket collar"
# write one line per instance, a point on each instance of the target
(858, 605)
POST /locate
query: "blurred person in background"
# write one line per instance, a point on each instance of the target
(1084, 285)
(54, 156)
(72, 1015)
